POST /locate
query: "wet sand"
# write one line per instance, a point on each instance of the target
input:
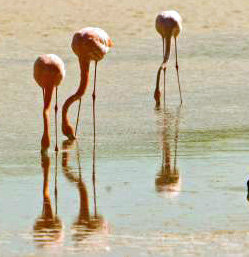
(202, 209)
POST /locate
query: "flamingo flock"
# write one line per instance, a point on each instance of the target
(92, 44)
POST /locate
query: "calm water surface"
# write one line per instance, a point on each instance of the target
(164, 183)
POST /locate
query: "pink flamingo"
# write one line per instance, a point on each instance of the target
(168, 25)
(89, 44)
(48, 72)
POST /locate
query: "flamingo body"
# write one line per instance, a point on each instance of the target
(168, 23)
(49, 71)
(91, 43)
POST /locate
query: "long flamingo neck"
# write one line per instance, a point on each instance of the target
(84, 75)
(157, 93)
(158, 78)
(45, 142)
(167, 52)
(67, 128)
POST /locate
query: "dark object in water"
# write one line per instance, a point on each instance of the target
(247, 190)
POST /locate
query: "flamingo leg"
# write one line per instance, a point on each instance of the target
(164, 75)
(77, 117)
(94, 97)
(55, 182)
(94, 138)
(177, 71)
(163, 46)
(56, 111)
(94, 189)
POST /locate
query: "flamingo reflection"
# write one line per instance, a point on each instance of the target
(48, 227)
(168, 181)
(85, 224)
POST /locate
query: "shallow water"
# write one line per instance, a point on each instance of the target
(124, 208)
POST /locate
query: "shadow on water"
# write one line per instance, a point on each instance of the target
(168, 180)
(48, 228)
(86, 223)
